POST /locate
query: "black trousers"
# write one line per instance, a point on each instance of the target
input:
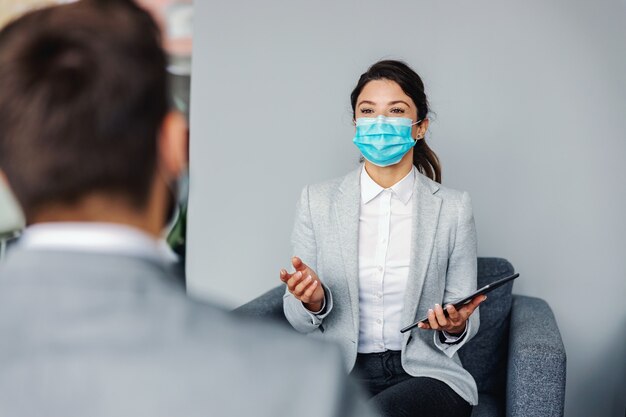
(397, 394)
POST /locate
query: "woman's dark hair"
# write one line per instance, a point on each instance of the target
(424, 158)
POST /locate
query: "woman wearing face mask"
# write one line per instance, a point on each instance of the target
(384, 246)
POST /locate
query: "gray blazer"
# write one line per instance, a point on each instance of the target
(109, 335)
(442, 269)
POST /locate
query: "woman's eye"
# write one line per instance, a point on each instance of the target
(367, 111)
(397, 110)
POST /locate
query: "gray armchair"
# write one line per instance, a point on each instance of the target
(517, 358)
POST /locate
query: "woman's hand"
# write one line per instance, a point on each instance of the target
(304, 284)
(456, 321)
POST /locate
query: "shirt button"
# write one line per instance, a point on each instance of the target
(379, 321)
(380, 268)
(383, 241)
(379, 294)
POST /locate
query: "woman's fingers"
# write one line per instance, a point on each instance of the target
(303, 283)
(298, 264)
(308, 293)
(294, 281)
(432, 320)
(469, 308)
(302, 286)
(284, 275)
(441, 318)
(453, 315)
(456, 318)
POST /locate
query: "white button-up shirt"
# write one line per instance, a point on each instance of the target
(385, 225)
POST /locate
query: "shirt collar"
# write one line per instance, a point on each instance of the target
(403, 189)
(109, 238)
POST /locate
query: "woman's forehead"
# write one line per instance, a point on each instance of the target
(383, 91)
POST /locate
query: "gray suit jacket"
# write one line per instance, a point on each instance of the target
(442, 269)
(104, 335)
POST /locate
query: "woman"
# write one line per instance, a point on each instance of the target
(386, 245)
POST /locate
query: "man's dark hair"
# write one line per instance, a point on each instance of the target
(83, 93)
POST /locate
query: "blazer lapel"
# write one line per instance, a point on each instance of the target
(427, 208)
(347, 207)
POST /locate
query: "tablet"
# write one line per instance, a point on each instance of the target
(465, 300)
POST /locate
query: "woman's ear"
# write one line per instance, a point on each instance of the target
(421, 129)
(172, 145)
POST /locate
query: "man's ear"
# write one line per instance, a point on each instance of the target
(172, 145)
(4, 181)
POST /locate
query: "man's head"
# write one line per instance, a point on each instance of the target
(84, 109)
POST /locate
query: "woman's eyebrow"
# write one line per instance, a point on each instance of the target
(391, 103)
(366, 102)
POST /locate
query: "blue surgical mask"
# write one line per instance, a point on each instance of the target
(384, 140)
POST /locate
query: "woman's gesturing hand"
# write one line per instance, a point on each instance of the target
(304, 284)
(456, 321)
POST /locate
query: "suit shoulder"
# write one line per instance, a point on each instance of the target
(329, 188)
(324, 188)
(447, 194)
(451, 194)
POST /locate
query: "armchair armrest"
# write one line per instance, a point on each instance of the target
(266, 306)
(536, 361)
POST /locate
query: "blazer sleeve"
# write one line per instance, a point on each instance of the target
(305, 247)
(461, 276)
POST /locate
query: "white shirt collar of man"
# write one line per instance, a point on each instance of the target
(95, 237)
